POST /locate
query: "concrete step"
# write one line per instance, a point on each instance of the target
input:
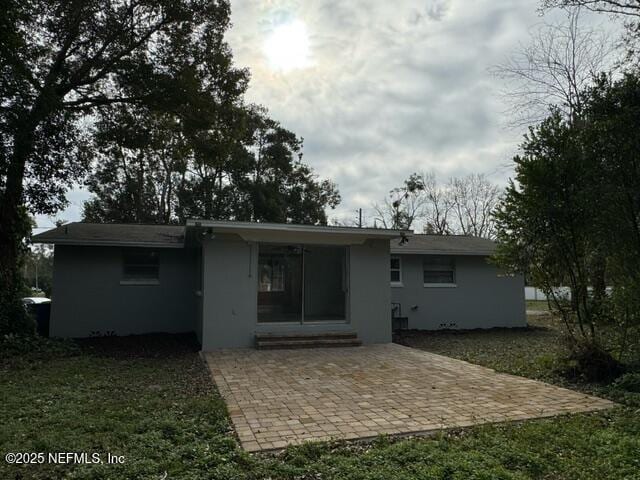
(307, 343)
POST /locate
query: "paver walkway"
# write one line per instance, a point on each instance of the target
(281, 397)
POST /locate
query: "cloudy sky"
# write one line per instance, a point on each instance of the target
(380, 89)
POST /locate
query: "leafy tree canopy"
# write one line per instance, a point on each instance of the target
(151, 87)
(572, 215)
(153, 170)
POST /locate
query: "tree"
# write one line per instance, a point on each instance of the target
(572, 217)
(627, 10)
(616, 7)
(611, 137)
(140, 163)
(463, 206)
(554, 69)
(38, 269)
(263, 180)
(437, 212)
(404, 204)
(152, 169)
(544, 223)
(473, 200)
(62, 60)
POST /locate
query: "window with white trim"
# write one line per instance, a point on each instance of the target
(396, 271)
(439, 270)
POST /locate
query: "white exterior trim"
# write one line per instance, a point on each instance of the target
(281, 232)
(399, 283)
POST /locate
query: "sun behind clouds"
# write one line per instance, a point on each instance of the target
(287, 47)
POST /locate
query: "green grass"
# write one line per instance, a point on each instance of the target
(151, 400)
(535, 352)
(530, 352)
(541, 305)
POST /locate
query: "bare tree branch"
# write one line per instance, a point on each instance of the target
(438, 208)
(553, 69)
(464, 206)
(614, 7)
(474, 198)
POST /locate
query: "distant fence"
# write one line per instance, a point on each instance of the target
(534, 293)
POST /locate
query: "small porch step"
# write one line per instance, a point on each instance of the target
(306, 340)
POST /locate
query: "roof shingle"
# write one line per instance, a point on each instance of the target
(444, 245)
(79, 233)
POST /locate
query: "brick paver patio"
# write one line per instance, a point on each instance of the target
(281, 397)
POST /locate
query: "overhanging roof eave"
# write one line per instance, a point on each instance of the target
(403, 251)
(231, 227)
(106, 243)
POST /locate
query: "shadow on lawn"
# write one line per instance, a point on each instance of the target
(154, 345)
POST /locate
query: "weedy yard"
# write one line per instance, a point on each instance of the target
(538, 305)
(150, 399)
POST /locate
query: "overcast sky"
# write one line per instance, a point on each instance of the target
(380, 89)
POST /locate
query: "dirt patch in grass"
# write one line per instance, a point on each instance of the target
(157, 345)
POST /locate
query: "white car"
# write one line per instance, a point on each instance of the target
(35, 300)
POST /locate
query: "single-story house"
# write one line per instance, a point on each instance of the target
(232, 282)
(446, 281)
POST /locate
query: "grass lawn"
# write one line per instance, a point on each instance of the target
(541, 305)
(530, 352)
(533, 352)
(150, 399)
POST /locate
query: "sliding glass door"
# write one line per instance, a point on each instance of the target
(325, 286)
(302, 284)
(280, 283)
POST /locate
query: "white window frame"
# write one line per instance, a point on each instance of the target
(441, 284)
(399, 270)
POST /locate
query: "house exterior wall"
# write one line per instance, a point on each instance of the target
(229, 292)
(482, 298)
(214, 293)
(230, 289)
(369, 292)
(88, 298)
(199, 295)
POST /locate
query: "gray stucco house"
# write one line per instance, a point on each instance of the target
(446, 281)
(235, 282)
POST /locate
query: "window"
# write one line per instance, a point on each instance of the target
(396, 271)
(272, 273)
(439, 271)
(140, 266)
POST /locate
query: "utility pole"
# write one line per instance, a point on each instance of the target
(359, 218)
